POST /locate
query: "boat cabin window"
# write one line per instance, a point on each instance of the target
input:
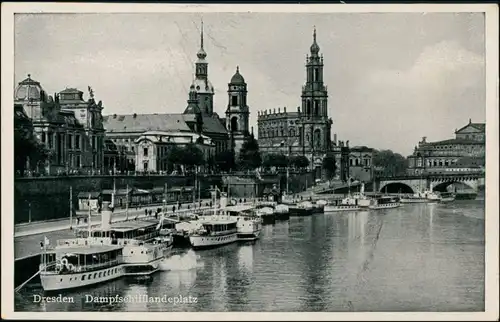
(49, 258)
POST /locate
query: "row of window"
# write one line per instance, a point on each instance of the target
(73, 141)
(109, 272)
(357, 162)
(456, 147)
(276, 132)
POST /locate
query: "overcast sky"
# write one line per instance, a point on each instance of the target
(392, 77)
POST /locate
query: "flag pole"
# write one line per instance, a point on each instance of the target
(71, 207)
(126, 204)
(89, 220)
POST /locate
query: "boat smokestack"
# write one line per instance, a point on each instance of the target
(223, 200)
(106, 216)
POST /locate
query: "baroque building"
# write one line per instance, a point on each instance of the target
(306, 131)
(465, 152)
(198, 120)
(70, 127)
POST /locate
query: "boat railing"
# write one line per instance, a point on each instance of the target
(92, 241)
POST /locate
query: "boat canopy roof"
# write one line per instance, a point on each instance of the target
(218, 222)
(86, 250)
(125, 226)
(238, 208)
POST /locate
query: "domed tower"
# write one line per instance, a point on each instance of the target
(203, 87)
(30, 94)
(196, 122)
(237, 112)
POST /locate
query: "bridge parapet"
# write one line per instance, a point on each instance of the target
(417, 183)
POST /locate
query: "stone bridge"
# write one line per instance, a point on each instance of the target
(411, 184)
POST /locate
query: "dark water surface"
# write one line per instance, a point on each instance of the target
(422, 257)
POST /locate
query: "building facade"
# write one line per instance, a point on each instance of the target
(360, 163)
(465, 151)
(153, 148)
(306, 131)
(70, 127)
(237, 112)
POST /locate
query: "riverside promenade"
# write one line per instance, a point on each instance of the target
(27, 236)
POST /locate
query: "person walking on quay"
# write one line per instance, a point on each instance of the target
(145, 212)
(173, 209)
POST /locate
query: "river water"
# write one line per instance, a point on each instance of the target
(420, 257)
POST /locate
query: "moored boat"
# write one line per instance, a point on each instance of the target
(319, 206)
(345, 204)
(216, 231)
(266, 215)
(304, 208)
(384, 202)
(447, 197)
(432, 196)
(282, 212)
(248, 228)
(72, 266)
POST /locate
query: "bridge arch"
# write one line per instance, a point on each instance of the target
(443, 185)
(396, 187)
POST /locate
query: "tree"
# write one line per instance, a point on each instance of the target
(275, 160)
(392, 164)
(299, 161)
(173, 157)
(329, 165)
(224, 160)
(191, 155)
(250, 158)
(26, 146)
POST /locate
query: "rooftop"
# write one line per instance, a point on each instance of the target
(145, 122)
(452, 141)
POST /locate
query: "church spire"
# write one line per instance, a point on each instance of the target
(314, 46)
(201, 53)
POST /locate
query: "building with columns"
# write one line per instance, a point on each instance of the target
(69, 126)
(465, 151)
(306, 130)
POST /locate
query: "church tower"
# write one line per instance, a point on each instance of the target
(203, 87)
(195, 122)
(315, 103)
(237, 112)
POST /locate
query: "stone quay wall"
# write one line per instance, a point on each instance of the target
(48, 198)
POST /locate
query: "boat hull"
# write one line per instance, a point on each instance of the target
(52, 281)
(282, 215)
(248, 236)
(385, 206)
(342, 208)
(181, 241)
(143, 269)
(200, 241)
(299, 212)
(445, 200)
(318, 209)
(413, 200)
(268, 219)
